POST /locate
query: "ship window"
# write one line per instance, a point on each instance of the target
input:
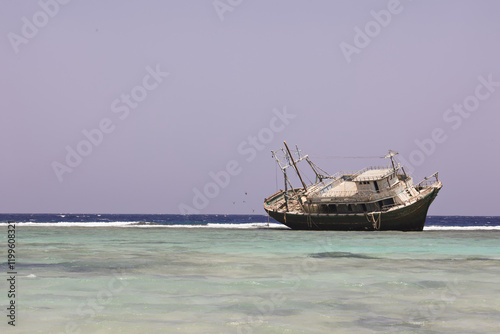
(349, 207)
(389, 201)
(364, 207)
(332, 208)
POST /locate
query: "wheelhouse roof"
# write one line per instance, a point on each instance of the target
(373, 174)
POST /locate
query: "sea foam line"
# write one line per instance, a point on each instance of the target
(229, 226)
(142, 224)
(461, 228)
(262, 225)
(78, 224)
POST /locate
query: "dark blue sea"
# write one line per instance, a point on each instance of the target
(90, 273)
(218, 221)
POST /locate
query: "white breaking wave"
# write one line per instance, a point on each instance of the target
(230, 226)
(79, 224)
(461, 228)
(141, 224)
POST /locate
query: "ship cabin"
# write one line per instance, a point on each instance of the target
(369, 190)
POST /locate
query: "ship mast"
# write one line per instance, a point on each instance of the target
(391, 155)
(295, 166)
(286, 180)
(283, 166)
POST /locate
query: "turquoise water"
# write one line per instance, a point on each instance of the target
(196, 280)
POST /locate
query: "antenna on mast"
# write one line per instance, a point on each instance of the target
(391, 155)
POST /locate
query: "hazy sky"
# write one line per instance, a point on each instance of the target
(174, 106)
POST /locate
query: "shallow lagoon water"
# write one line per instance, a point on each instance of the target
(143, 278)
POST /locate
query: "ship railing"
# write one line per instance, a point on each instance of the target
(274, 197)
(373, 178)
(336, 179)
(389, 206)
(389, 169)
(372, 168)
(317, 186)
(429, 181)
(339, 176)
(353, 196)
(321, 187)
(381, 193)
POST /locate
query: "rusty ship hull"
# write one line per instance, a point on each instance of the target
(407, 218)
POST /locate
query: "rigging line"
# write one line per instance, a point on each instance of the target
(308, 179)
(276, 179)
(326, 173)
(304, 174)
(341, 157)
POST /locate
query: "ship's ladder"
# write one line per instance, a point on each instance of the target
(375, 218)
